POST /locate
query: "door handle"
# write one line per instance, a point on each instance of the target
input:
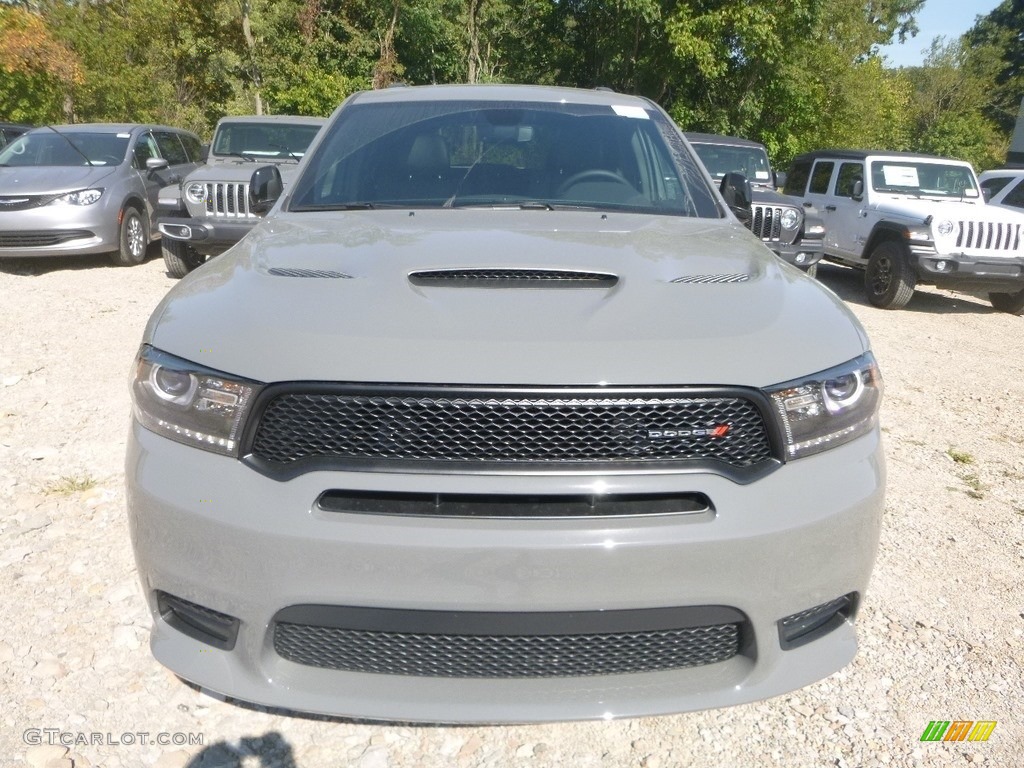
(830, 207)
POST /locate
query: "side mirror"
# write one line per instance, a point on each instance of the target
(736, 191)
(858, 190)
(780, 179)
(156, 163)
(986, 193)
(265, 188)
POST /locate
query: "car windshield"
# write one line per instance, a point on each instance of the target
(50, 148)
(752, 162)
(904, 177)
(543, 156)
(263, 141)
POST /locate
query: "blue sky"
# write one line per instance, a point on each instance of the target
(948, 18)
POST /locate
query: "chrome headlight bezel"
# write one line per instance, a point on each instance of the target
(190, 403)
(829, 408)
(790, 218)
(195, 192)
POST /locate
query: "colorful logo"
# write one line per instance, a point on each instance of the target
(958, 730)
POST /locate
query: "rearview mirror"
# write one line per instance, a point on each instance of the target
(736, 191)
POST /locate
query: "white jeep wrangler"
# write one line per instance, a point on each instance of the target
(906, 219)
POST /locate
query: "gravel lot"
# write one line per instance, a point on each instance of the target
(942, 630)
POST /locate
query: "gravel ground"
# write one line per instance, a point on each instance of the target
(942, 629)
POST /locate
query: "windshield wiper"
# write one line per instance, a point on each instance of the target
(342, 207)
(71, 144)
(287, 151)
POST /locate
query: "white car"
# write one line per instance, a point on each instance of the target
(1003, 187)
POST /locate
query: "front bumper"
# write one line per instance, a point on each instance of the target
(210, 237)
(60, 231)
(960, 270)
(212, 531)
(803, 253)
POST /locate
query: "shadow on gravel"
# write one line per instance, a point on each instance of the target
(270, 749)
(44, 265)
(848, 283)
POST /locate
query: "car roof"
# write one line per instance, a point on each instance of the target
(861, 154)
(264, 119)
(109, 128)
(514, 93)
(715, 138)
(1001, 172)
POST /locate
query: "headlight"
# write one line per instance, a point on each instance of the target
(790, 219)
(81, 197)
(829, 408)
(195, 193)
(190, 403)
(944, 227)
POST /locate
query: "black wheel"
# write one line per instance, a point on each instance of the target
(134, 239)
(812, 271)
(180, 258)
(1008, 302)
(889, 280)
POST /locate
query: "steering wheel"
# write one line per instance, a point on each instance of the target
(594, 174)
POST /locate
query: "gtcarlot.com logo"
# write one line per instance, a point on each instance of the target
(958, 730)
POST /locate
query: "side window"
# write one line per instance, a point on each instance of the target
(171, 148)
(996, 184)
(796, 182)
(1015, 196)
(192, 147)
(820, 177)
(849, 174)
(145, 148)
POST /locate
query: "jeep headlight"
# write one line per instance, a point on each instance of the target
(790, 219)
(830, 408)
(190, 403)
(195, 193)
(79, 197)
(944, 227)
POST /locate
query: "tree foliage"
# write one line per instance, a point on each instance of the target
(797, 75)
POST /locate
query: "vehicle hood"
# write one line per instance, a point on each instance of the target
(239, 170)
(767, 196)
(44, 180)
(918, 210)
(375, 324)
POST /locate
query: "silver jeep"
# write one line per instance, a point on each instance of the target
(502, 415)
(207, 212)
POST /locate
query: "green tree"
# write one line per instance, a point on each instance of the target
(38, 71)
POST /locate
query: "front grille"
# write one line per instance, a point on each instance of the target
(228, 199)
(41, 239)
(766, 222)
(988, 236)
(499, 653)
(542, 428)
(24, 202)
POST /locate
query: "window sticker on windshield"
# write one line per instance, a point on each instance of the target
(900, 176)
(761, 175)
(637, 112)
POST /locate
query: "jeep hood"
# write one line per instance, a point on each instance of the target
(918, 209)
(49, 179)
(240, 170)
(328, 296)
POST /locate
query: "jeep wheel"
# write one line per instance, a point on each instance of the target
(888, 279)
(1008, 302)
(134, 239)
(180, 258)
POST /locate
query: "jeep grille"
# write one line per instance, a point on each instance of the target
(766, 223)
(230, 200)
(988, 236)
(538, 428)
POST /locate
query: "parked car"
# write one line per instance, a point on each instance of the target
(1003, 187)
(89, 188)
(795, 233)
(207, 212)
(907, 219)
(501, 415)
(10, 131)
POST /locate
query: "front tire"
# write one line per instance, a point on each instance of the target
(1008, 302)
(180, 258)
(888, 279)
(134, 239)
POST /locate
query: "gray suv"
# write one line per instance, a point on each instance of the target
(207, 212)
(89, 188)
(501, 415)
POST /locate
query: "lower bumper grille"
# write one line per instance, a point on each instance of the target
(483, 645)
(41, 239)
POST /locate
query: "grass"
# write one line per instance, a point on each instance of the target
(69, 484)
(960, 457)
(974, 486)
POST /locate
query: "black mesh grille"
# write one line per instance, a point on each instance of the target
(498, 427)
(24, 202)
(505, 656)
(40, 239)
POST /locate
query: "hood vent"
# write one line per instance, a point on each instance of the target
(706, 279)
(301, 272)
(513, 278)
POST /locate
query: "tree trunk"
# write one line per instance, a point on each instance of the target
(387, 64)
(250, 44)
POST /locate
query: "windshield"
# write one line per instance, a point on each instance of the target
(444, 154)
(920, 178)
(752, 162)
(49, 148)
(263, 140)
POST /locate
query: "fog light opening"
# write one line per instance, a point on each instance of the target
(941, 266)
(809, 625)
(198, 622)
